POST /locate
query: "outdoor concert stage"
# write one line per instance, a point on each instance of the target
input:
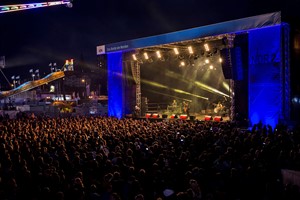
(242, 64)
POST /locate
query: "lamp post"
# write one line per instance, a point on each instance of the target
(14, 81)
(37, 73)
(84, 90)
(52, 67)
(32, 74)
(17, 81)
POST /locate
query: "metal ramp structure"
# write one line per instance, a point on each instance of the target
(32, 84)
(54, 75)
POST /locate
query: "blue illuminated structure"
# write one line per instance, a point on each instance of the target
(115, 89)
(268, 64)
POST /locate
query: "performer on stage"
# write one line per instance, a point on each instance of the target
(136, 111)
(174, 105)
(186, 108)
(219, 108)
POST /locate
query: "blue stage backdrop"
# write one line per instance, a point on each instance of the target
(265, 99)
(115, 89)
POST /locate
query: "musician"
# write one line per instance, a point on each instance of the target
(219, 107)
(137, 111)
(186, 108)
(174, 105)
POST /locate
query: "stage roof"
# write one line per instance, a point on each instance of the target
(223, 28)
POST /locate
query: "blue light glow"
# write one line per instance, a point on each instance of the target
(265, 99)
(115, 89)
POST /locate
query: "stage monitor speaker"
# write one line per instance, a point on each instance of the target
(148, 115)
(232, 65)
(155, 115)
(218, 118)
(207, 118)
(183, 117)
(164, 116)
(174, 116)
(192, 117)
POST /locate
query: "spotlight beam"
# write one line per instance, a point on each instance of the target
(158, 85)
(199, 84)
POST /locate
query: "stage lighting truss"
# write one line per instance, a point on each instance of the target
(186, 51)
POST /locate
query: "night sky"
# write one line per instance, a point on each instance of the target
(34, 38)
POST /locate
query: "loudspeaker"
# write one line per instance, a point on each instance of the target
(207, 118)
(164, 116)
(174, 116)
(155, 115)
(218, 118)
(225, 54)
(183, 116)
(232, 65)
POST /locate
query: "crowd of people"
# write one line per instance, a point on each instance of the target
(105, 158)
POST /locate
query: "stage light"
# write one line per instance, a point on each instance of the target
(176, 51)
(69, 5)
(190, 50)
(146, 56)
(158, 54)
(206, 47)
(134, 57)
(220, 60)
(211, 67)
(206, 61)
(182, 63)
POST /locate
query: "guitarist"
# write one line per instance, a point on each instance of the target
(219, 107)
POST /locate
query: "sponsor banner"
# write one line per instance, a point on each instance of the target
(239, 25)
(100, 49)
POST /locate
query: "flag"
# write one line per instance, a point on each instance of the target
(13, 77)
(17, 77)
(31, 71)
(37, 71)
(50, 64)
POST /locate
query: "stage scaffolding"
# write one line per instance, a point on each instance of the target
(136, 72)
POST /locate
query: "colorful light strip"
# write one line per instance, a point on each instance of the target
(19, 7)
